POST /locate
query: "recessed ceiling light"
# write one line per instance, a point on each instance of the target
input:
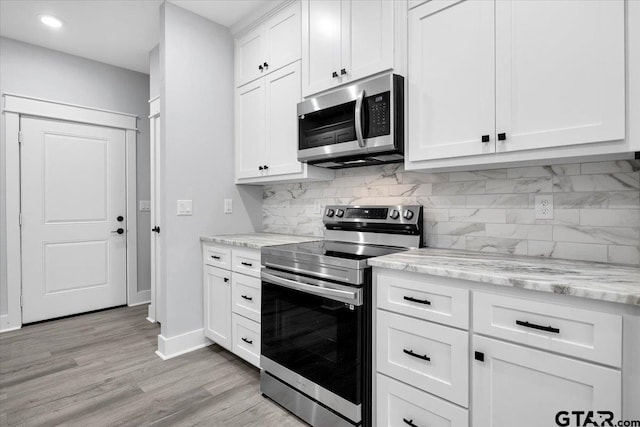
(50, 21)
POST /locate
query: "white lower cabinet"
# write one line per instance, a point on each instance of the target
(525, 361)
(516, 385)
(400, 405)
(217, 297)
(232, 299)
(246, 339)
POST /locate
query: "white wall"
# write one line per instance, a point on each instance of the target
(196, 89)
(154, 72)
(34, 71)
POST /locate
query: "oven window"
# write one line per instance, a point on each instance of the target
(315, 337)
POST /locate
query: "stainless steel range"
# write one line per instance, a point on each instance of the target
(316, 313)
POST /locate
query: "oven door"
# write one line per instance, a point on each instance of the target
(312, 338)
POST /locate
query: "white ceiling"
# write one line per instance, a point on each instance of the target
(117, 32)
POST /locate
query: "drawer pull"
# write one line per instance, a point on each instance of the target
(539, 327)
(246, 297)
(419, 356)
(248, 264)
(409, 422)
(215, 257)
(421, 301)
(248, 341)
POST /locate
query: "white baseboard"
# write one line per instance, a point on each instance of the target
(181, 344)
(5, 325)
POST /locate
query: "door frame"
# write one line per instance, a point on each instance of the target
(155, 307)
(20, 105)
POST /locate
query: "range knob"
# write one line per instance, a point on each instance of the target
(408, 214)
(394, 214)
(339, 213)
(330, 212)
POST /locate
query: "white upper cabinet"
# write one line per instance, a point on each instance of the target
(345, 40)
(250, 129)
(504, 81)
(560, 76)
(451, 85)
(283, 93)
(270, 46)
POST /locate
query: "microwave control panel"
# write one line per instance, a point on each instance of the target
(379, 115)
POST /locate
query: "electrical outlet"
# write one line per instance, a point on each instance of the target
(228, 206)
(145, 205)
(544, 206)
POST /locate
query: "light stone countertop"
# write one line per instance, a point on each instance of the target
(257, 240)
(598, 281)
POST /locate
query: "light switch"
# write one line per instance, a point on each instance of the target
(145, 205)
(228, 206)
(185, 207)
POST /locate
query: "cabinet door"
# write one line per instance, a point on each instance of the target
(283, 38)
(249, 56)
(451, 84)
(217, 309)
(367, 38)
(250, 104)
(283, 95)
(518, 386)
(560, 72)
(320, 45)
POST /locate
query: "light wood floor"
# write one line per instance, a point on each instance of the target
(100, 369)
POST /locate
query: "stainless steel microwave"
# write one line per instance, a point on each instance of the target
(358, 125)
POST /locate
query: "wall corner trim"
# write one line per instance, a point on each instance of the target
(169, 348)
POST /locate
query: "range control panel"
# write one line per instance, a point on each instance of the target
(374, 214)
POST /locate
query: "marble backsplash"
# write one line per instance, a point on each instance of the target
(596, 207)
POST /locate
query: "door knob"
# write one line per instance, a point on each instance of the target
(260, 68)
(265, 167)
(119, 231)
(343, 71)
(266, 65)
(334, 74)
(156, 229)
(120, 218)
(260, 168)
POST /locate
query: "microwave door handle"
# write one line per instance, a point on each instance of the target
(358, 112)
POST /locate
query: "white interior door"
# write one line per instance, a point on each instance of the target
(155, 308)
(73, 191)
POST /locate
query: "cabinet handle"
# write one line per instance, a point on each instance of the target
(226, 280)
(409, 422)
(260, 68)
(248, 264)
(266, 65)
(343, 72)
(247, 340)
(486, 138)
(502, 136)
(419, 356)
(539, 327)
(215, 257)
(420, 301)
(246, 297)
(334, 74)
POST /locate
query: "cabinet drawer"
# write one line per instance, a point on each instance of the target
(217, 256)
(246, 339)
(423, 296)
(398, 405)
(580, 333)
(245, 291)
(425, 355)
(246, 261)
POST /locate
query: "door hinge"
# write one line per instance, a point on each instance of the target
(20, 219)
(20, 137)
(21, 305)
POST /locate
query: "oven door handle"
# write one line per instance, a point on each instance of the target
(322, 289)
(358, 113)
